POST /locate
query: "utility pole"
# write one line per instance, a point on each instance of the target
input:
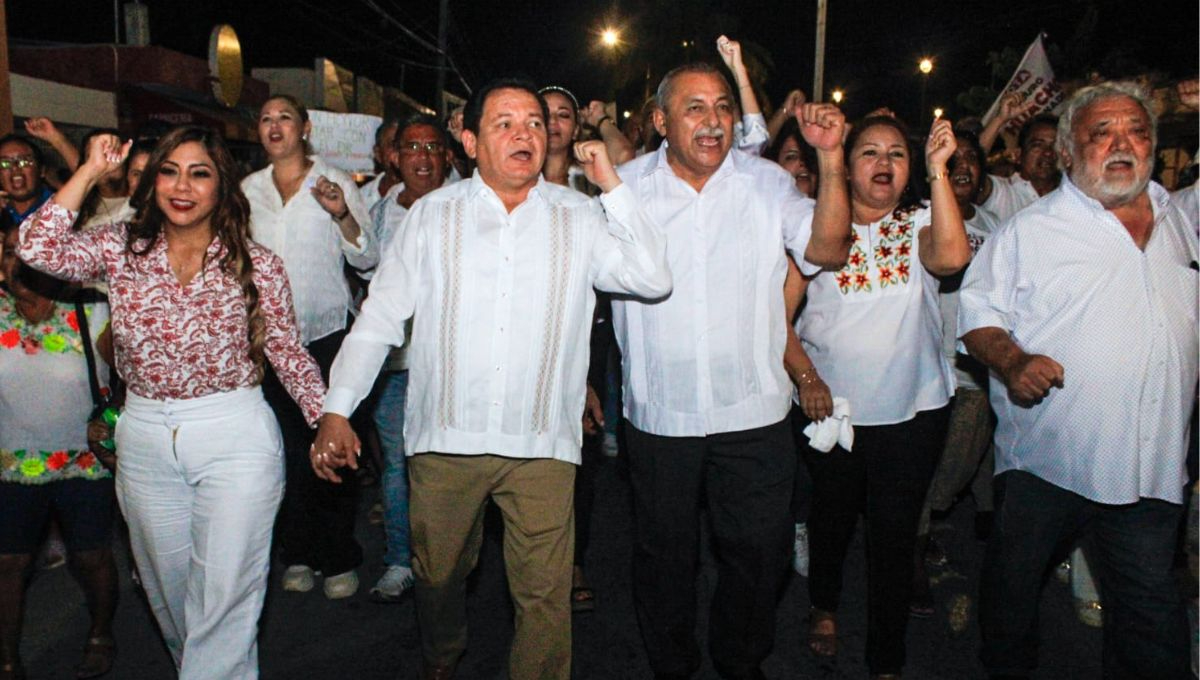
(6, 114)
(819, 60)
(443, 26)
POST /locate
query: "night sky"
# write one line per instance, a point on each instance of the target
(872, 47)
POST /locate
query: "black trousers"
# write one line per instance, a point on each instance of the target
(316, 521)
(885, 478)
(1130, 550)
(746, 478)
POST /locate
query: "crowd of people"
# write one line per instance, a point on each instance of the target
(816, 320)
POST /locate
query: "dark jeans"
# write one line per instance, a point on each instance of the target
(746, 478)
(316, 521)
(592, 452)
(1130, 550)
(885, 478)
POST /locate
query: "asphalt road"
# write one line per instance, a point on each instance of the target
(305, 636)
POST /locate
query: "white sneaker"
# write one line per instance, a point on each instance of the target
(342, 585)
(298, 579)
(800, 556)
(393, 584)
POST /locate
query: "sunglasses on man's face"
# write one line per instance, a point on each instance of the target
(10, 163)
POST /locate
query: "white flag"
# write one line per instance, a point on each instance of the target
(1034, 79)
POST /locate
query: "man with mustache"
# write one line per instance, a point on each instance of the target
(418, 155)
(1084, 308)
(1037, 174)
(706, 394)
(497, 273)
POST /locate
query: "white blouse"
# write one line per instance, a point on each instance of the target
(310, 243)
(873, 329)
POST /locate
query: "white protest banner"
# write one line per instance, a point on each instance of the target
(1034, 80)
(344, 140)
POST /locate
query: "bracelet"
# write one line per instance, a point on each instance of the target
(808, 376)
(936, 176)
(602, 119)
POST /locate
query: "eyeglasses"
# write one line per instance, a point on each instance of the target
(416, 147)
(21, 162)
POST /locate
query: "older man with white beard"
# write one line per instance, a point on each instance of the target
(1084, 308)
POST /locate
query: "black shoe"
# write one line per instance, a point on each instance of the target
(983, 525)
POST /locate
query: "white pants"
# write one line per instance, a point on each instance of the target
(200, 481)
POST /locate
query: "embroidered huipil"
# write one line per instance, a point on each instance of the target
(1065, 279)
(502, 309)
(311, 244)
(45, 398)
(873, 329)
(709, 358)
(173, 341)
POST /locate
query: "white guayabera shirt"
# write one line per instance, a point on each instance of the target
(502, 310)
(1065, 279)
(709, 358)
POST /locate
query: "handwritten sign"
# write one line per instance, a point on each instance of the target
(344, 140)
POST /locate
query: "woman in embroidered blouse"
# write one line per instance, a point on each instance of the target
(309, 213)
(871, 333)
(197, 311)
(45, 463)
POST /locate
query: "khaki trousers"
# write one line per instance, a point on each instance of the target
(448, 495)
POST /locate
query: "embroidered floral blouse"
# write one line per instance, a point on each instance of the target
(45, 398)
(173, 341)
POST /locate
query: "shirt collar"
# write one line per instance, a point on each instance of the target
(1160, 199)
(476, 185)
(19, 217)
(728, 166)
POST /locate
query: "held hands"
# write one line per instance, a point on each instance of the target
(593, 158)
(336, 446)
(940, 146)
(329, 195)
(823, 126)
(1030, 377)
(593, 413)
(105, 153)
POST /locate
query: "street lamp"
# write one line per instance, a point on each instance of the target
(925, 66)
(610, 37)
(838, 96)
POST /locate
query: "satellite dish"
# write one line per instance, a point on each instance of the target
(225, 64)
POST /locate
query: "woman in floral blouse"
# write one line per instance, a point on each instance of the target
(197, 311)
(45, 464)
(871, 333)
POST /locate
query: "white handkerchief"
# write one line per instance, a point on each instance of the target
(836, 429)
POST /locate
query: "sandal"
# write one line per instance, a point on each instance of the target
(98, 656)
(822, 633)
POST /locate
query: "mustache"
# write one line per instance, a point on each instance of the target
(708, 132)
(1120, 157)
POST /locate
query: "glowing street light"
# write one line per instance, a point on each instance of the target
(926, 66)
(838, 96)
(610, 37)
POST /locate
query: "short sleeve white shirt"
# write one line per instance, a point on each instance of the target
(979, 227)
(1065, 280)
(1009, 195)
(873, 329)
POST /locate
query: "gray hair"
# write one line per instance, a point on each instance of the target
(1085, 97)
(667, 85)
